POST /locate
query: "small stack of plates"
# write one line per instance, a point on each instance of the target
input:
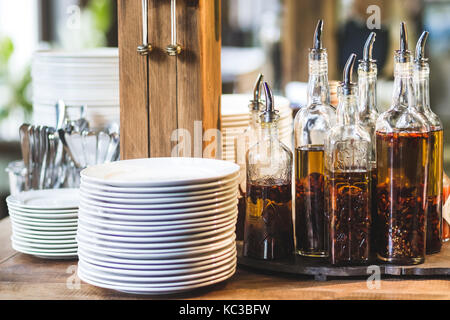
(236, 117)
(89, 77)
(159, 225)
(44, 222)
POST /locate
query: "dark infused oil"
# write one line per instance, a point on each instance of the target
(268, 227)
(349, 217)
(310, 223)
(402, 201)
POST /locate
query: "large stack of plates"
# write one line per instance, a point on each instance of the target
(89, 77)
(44, 222)
(236, 117)
(159, 225)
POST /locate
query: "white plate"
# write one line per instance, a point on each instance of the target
(176, 212)
(156, 281)
(228, 182)
(127, 215)
(47, 233)
(151, 237)
(43, 228)
(164, 205)
(156, 230)
(29, 244)
(43, 224)
(157, 225)
(117, 243)
(46, 216)
(97, 53)
(149, 198)
(150, 264)
(154, 291)
(46, 254)
(160, 172)
(58, 199)
(50, 237)
(179, 253)
(38, 242)
(118, 269)
(29, 218)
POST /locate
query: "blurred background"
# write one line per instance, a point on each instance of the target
(269, 36)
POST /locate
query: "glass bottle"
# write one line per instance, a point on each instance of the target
(368, 112)
(348, 153)
(251, 133)
(402, 165)
(311, 125)
(269, 231)
(436, 155)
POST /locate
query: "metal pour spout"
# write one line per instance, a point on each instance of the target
(403, 38)
(347, 83)
(368, 47)
(420, 47)
(256, 102)
(270, 114)
(318, 36)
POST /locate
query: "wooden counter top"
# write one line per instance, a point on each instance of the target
(27, 277)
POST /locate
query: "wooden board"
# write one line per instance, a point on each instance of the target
(161, 93)
(27, 277)
(299, 22)
(435, 265)
(133, 83)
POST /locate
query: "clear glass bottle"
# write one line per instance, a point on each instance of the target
(402, 166)
(368, 112)
(251, 134)
(268, 232)
(436, 155)
(311, 126)
(348, 153)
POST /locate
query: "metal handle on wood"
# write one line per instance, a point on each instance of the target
(145, 48)
(174, 48)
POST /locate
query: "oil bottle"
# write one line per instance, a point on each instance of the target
(311, 126)
(435, 173)
(402, 136)
(268, 232)
(368, 112)
(348, 166)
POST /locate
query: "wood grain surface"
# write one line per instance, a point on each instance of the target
(134, 126)
(161, 93)
(27, 277)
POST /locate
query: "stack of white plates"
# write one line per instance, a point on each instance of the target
(159, 225)
(44, 222)
(89, 77)
(236, 117)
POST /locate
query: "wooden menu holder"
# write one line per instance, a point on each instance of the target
(160, 93)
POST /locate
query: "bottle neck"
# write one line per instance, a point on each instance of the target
(254, 119)
(347, 111)
(403, 85)
(422, 86)
(269, 130)
(318, 87)
(367, 84)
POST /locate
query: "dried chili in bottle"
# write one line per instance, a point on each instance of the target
(402, 164)
(348, 167)
(269, 230)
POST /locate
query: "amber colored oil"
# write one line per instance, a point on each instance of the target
(310, 223)
(435, 193)
(269, 230)
(401, 216)
(349, 209)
